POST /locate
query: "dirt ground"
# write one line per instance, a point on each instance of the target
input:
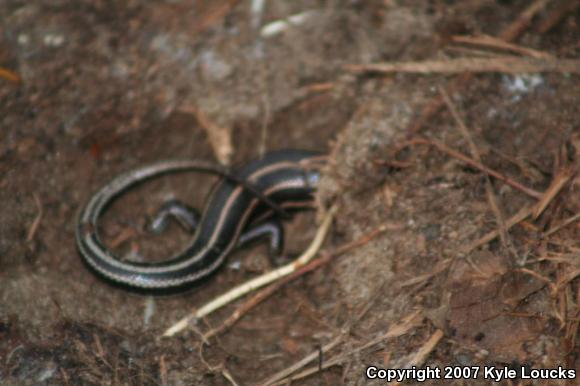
(474, 177)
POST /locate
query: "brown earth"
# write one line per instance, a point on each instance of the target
(89, 89)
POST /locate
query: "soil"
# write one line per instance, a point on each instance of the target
(93, 88)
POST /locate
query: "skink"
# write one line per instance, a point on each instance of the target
(289, 178)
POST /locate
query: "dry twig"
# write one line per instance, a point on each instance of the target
(493, 42)
(424, 351)
(163, 371)
(443, 265)
(9, 75)
(516, 28)
(259, 281)
(507, 65)
(35, 224)
(476, 155)
(521, 215)
(539, 277)
(567, 278)
(267, 292)
(512, 32)
(220, 368)
(565, 223)
(397, 330)
(559, 181)
(228, 375)
(462, 157)
(565, 8)
(282, 375)
(220, 138)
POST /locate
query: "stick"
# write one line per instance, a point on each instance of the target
(521, 215)
(9, 75)
(475, 154)
(521, 23)
(566, 222)
(493, 42)
(267, 292)
(566, 8)
(397, 330)
(259, 281)
(36, 223)
(219, 137)
(559, 181)
(460, 156)
(513, 31)
(302, 362)
(507, 65)
(424, 351)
